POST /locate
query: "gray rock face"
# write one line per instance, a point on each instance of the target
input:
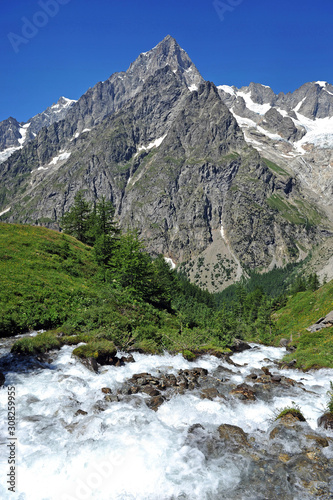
(315, 100)
(14, 135)
(109, 96)
(54, 113)
(312, 100)
(9, 133)
(285, 127)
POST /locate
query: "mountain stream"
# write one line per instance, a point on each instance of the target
(207, 437)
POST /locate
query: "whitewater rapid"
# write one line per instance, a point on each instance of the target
(129, 451)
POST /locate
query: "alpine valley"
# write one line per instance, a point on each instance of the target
(220, 180)
(121, 379)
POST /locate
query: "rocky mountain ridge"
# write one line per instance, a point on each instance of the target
(175, 158)
(14, 135)
(294, 130)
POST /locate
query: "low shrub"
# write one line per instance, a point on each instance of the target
(43, 342)
(293, 410)
(102, 350)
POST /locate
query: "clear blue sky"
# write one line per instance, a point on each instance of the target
(278, 43)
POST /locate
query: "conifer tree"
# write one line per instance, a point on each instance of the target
(104, 231)
(131, 267)
(76, 221)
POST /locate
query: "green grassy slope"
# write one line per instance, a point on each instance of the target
(44, 275)
(302, 311)
(50, 281)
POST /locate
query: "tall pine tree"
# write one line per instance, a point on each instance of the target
(76, 221)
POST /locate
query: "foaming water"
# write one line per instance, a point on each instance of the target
(125, 450)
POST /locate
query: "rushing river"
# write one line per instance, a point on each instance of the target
(124, 450)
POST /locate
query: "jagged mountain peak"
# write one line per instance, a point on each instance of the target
(14, 135)
(166, 53)
(63, 102)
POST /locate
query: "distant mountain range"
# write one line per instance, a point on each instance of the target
(218, 179)
(14, 135)
(295, 130)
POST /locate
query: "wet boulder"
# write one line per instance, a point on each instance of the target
(90, 363)
(310, 472)
(155, 402)
(239, 346)
(264, 379)
(106, 390)
(233, 436)
(209, 393)
(110, 398)
(284, 342)
(128, 359)
(243, 392)
(284, 366)
(326, 421)
(102, 352)
(81, 412)
(266, 371)
(151, 391)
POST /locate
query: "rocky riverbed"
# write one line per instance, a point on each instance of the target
(163, 428)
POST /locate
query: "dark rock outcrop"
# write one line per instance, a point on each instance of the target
(324, 322)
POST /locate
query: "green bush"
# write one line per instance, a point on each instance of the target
(293, 410)
(43, 342)
(101, 350)
(188, 355)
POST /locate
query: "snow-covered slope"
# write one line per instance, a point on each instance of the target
(294, 130)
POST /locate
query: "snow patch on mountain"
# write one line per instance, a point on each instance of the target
(23, 131)
(222, 231)
(282, 112)
(227, 89)
(63, 156)
(322, 84)
(5, 211)
(243, 122)
(260, 109)
(170, 262)
(193, 87)
(6, 153)
(299, 105)
(319, 132)
(63, 103)
(77, 134)
(154, 144)
(274, 137)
